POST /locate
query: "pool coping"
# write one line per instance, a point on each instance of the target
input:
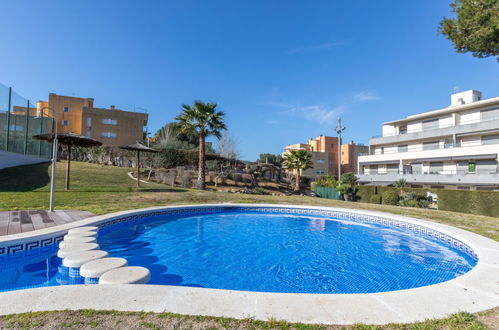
(475, 291)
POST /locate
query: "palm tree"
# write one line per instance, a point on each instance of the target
(297, 160)
(400, 184)
(348, 185)
(203, 119)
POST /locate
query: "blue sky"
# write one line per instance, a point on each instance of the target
(283, 71)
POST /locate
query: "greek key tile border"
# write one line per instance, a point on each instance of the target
(34, 247)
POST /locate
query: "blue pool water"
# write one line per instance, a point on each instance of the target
(271, 252)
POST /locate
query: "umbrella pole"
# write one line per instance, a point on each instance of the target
(138, 168)
(68, 166)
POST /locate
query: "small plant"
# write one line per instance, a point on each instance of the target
(414, 199)
(348, 186)
(326, 181)
(390, 197)
(401, 183)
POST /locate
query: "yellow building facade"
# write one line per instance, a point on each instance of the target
(113, 127)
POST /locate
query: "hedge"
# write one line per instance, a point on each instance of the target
(469, 201)
(465, 201)
(390, 197)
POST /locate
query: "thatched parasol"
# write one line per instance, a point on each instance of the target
(69, 140)
(138, 147)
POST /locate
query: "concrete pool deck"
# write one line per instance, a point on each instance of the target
(472, 292)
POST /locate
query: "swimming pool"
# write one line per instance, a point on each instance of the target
(266, 249)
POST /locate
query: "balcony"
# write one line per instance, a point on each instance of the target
(458, 177)
(438, 131)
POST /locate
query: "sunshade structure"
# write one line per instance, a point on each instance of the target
(69, 140)
(138, 147)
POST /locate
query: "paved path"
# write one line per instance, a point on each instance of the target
(9, 159)
(14, 222)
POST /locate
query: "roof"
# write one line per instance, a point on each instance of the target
(138, 147)
(69, 138)
(450, 109)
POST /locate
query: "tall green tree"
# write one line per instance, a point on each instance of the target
(475, 28)
(297, 160)
(205, 120)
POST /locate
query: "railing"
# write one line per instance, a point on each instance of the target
(438, 172)
(430, 127)
(439, 147)
(18, 124)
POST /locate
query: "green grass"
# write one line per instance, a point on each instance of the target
(87, 319)
(104, 189)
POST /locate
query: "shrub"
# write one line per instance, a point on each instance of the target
(415, 199)
(375, 199)
(325, 181)
(390, 197)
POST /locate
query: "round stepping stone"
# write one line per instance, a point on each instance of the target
(77, 259)
(68, 237)
(77, 241)
(96, 268)
(126, 275)
(77, 247)
(82, 229)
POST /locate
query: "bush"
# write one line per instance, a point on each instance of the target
(390, 197)
(415, 199)
(375, 199)
(474, 202)
(325, 181)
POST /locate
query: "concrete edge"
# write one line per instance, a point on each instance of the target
(474, 291)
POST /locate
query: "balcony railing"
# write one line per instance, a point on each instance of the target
(439, 172)
(434, 147)
(430, 127)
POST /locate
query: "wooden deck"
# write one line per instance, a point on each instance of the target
(14, 222)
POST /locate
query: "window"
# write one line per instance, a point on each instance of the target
(490, 139)
(320, 161)
(471, 167)
(430, 123)
(65, 123)
(109, 121)
(431, 145)
(109, 135)
(89, 122)
(320, 171)
(66, 109)
(403, 148)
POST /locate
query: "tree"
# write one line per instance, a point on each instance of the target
(203, 119)
(227, 146)
(400, 184)
(170, 136)
(270, 158)
(297, 160)
(348, 185)
(475, 29)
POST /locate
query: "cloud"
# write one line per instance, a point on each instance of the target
(319, 113)
(367, 96)
(314, 48)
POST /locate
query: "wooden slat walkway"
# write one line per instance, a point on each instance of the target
(14, 222)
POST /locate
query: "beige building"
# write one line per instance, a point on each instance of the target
(113, 127)
(324, 150)
(350, 153)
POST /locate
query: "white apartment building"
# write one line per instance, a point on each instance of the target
(454, 147)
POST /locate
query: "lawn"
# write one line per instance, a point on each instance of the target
(104, 189)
